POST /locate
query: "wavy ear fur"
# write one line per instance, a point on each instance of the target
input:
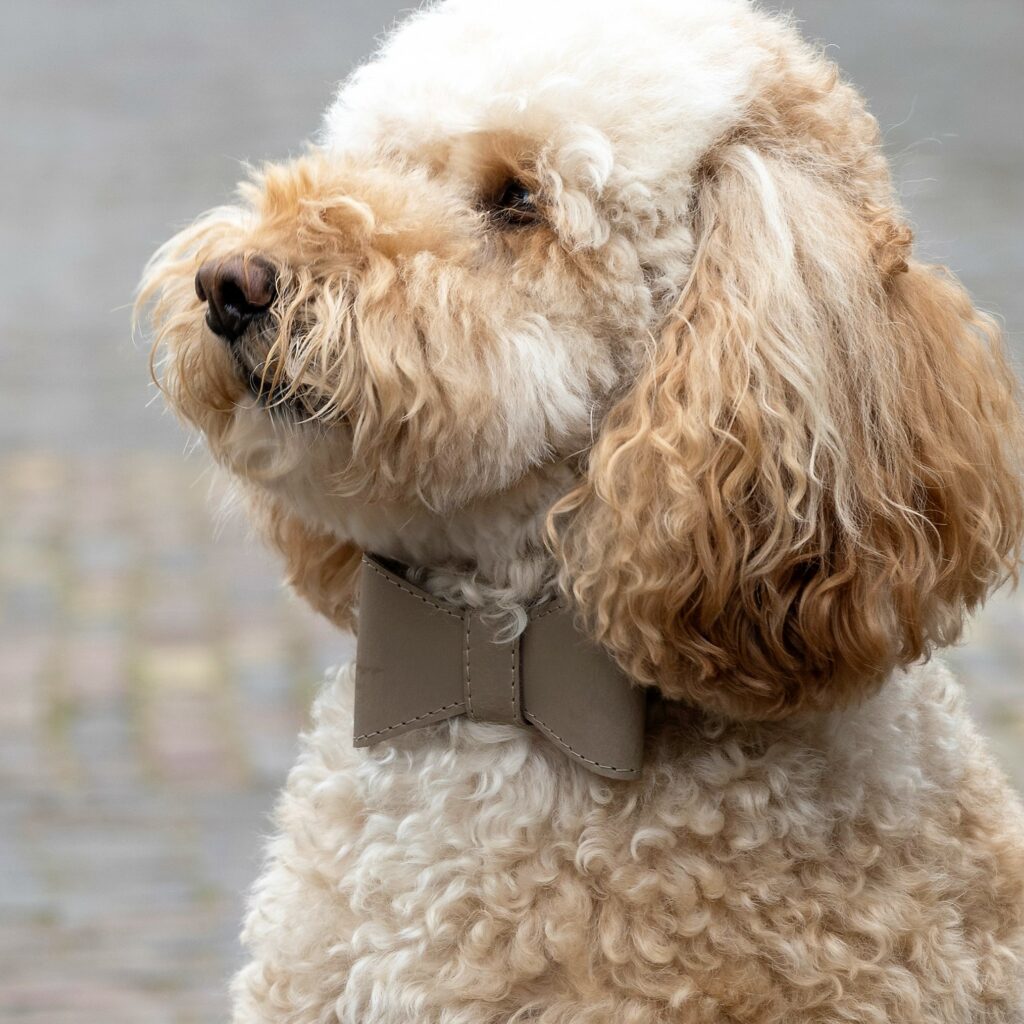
(817, 473)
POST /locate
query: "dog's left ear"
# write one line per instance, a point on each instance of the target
(816, 472)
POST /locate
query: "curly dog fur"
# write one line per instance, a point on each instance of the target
(623, 304)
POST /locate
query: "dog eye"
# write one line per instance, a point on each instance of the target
(517, 204)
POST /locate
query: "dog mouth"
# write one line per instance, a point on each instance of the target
(271, 396)
(265, 379)
(276, 391)
(279, 327)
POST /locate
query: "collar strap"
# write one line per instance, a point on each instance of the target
(420, 660)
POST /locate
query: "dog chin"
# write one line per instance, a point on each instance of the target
(259, 445)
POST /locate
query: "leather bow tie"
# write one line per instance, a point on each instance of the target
(420, 659)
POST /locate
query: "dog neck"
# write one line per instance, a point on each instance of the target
(490, 553)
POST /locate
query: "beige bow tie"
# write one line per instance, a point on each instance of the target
(421, 660)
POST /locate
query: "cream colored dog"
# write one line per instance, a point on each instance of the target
(617, 298)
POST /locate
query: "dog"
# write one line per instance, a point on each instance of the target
(614, 308)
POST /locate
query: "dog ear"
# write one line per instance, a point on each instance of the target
(321, 569)
(816, 472)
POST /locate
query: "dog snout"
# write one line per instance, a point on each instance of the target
(236, 290)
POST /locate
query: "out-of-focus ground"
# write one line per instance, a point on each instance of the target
(153, 677)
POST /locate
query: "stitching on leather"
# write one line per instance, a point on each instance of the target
(412, 593)
(409, 721)
(556, 606)
(541, 724)
(467, 649)
(469, 683)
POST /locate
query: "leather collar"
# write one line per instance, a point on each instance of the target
(420, 659)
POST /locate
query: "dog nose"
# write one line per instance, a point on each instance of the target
(235, 290)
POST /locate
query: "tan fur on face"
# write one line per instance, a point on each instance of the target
(817, 473)
(398, 333)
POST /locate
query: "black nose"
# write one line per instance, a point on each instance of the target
(236, 290)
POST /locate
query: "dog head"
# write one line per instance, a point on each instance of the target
(646, 274)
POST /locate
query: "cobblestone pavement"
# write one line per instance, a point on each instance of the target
(153, 681)
(153, 676)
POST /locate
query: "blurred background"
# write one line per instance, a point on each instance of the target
(153, 676)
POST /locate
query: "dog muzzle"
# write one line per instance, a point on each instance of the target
(420, 660)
